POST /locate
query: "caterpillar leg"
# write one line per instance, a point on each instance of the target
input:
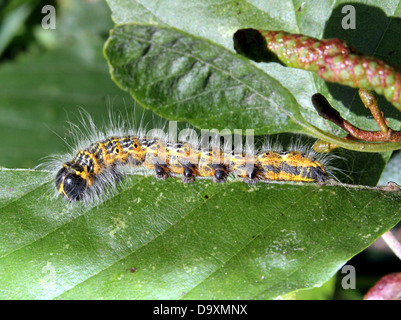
(161, 171)
(189, 172)
(220, 172)
(251, 174)
(245, 168)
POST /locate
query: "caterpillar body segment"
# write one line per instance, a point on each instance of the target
(291, 166)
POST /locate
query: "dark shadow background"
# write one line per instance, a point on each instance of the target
(24, 37)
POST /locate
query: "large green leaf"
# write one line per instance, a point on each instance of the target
(166, 239)
(198, 82)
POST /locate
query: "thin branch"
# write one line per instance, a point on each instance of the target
(393, 243)
(326, 111)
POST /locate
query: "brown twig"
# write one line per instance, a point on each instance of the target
(370, 102)
(386, 134)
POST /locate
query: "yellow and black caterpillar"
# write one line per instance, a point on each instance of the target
(93, 169)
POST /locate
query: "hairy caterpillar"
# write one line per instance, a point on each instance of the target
(97, 164)
(334, 61)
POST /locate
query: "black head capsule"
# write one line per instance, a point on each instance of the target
(71, 185)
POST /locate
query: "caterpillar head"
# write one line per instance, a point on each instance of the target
(70, 184)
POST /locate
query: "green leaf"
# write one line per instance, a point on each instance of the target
(169, 240)
(197, 81)
(11, 22)
(374, 35)
(325, 292)
(392, 172)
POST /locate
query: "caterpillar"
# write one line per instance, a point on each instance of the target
(334, 61)
(95, 168)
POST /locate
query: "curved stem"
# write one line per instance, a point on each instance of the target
(353, 144)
